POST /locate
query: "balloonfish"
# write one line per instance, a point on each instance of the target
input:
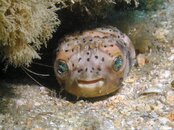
(94, 62)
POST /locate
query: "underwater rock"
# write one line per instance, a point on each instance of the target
(141, 60)
(25, 26)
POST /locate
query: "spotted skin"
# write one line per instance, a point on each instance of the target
(94, 62)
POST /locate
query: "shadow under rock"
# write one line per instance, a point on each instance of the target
(6, 93)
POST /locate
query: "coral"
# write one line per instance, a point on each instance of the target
(25, 26)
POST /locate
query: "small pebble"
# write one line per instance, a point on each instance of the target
(172, 50)
(152, 91)
(163, 120)
(165, 74)
(170, 97)
(171, 58)
(171, 116)
(166, 128)
(141, 60)
(130, 80)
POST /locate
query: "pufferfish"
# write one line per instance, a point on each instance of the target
(94, 62)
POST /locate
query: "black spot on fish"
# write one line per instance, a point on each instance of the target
(124, 43)
(121, 47)
(84, 40)
(92, 68)
(86, 69)
(87, 53)
(66, 50)
(80, 58)
(88, 59)
(96, 37)
(105, 46)
(99, 69)
(129, 59)
(80, 70)
(103, 59)
(104, 37)
(111, 45)
(96, 57)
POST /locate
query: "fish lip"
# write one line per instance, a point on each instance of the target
(92, 84)
(90, 81)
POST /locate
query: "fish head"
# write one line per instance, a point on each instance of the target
(91, 69)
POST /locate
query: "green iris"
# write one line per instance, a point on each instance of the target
(62, 67)
(118, 62)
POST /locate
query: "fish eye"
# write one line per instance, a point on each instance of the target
(62, 67)
(118, 62)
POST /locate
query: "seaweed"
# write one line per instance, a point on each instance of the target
(26, 26)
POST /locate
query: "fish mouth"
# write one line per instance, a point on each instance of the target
(91, 83)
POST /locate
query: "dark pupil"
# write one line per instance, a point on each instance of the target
(118, 63)
(62, 67)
